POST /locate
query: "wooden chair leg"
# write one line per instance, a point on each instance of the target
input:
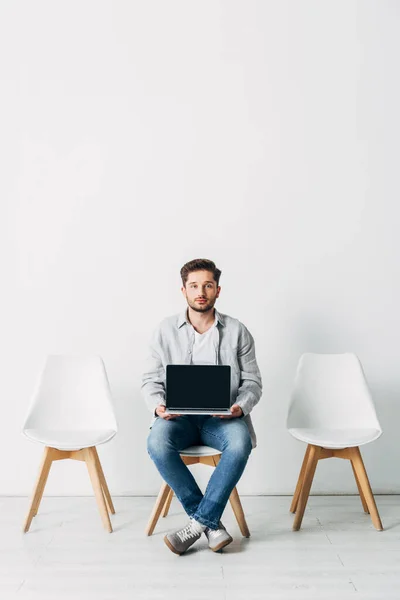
(167, 503)
(103, 481)
(239, 513)
(155, 515)
(300, 480)
(305, 489)
(362, 497)
(362, 476)
(43, 484)
(39, 487)
(90, 459)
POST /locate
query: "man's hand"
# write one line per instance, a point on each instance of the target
(160, 411)
(236, 411)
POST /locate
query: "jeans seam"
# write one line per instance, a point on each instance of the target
(218, 437)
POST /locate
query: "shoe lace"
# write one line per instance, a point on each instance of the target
(186, 533)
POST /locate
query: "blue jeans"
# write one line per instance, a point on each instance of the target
(231, 436)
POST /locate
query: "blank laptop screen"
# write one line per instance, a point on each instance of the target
(199, 387)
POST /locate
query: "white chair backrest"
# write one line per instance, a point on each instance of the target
(330, 391)
(72, 393)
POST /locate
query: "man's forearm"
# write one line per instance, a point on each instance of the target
(250, 389)
(153, 379)
(247, 400)
(153, 394)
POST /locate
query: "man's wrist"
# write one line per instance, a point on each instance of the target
(241, 408)
(157, 407)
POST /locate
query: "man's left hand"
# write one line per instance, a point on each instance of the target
(236, 411)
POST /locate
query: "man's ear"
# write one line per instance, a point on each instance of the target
(218, 291)
(183, 290)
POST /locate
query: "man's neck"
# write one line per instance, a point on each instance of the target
(201, 321)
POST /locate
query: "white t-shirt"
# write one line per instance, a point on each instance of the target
(203, 348)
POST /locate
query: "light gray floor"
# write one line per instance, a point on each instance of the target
(67, 554)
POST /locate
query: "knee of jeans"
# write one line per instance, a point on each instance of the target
(239, 445)
(154, 445)
(158, 445)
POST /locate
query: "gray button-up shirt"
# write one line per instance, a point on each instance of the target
(172, 343)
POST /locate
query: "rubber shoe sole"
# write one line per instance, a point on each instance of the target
(222, 545)
(170, 546)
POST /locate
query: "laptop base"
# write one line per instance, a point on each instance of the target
(186, 411)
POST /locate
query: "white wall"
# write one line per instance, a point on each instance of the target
(138, 135)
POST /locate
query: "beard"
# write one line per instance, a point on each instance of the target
(202, 308)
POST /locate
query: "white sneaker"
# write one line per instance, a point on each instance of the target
(217, 538)
(179, 541)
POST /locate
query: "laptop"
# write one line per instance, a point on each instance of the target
(198, 389)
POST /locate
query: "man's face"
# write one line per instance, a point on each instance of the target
(201, 291)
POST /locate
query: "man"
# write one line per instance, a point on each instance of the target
(202, 335)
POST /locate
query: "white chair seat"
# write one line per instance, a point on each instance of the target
(200, 451)
(70, 440)
(335, 438)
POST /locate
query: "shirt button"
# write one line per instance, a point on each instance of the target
(190, 352)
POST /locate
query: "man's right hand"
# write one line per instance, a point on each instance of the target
(160, 411)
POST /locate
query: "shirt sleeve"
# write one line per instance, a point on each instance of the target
(153, 379)
(250, 386)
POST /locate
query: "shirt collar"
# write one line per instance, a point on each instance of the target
(183, 319)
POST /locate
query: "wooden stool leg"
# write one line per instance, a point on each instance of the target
(162, 497)
(305, 490)
(300, 480)
(362, 497)
(103, 481)
(90, 459)
(39, 487)
(167, 503)
(239, 513)
(362, 476)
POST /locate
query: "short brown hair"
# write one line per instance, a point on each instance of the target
(200, 264)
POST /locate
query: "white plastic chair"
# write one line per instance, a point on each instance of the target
(332, 411)
(190, 456)
(71, 412)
